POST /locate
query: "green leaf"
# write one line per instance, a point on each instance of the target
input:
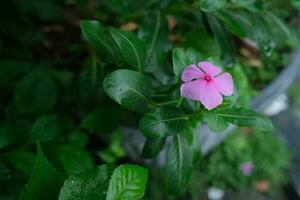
(44, 10)
(89, 89)
(78, 138)
(90, 185)
(133, 50)
(73, 159)
(103, 119)
(44, 182)
(244, 117)
(201, 40)
(180, 61)
(119, 6)
(153, 146)
(163, 122)
(11, 70)
(212, 5)
(5, 173)
(7, 136)
(280, 29)
(179, 165)
(155, 34)
(231, 24)
(13, 132)
(115, 151)
(244, 3)
(36, 93)
(215, 123)
(223, 39)
(128, 182)
(182, 58)
(94, 33)
(128, 88)
(262, 34)
(196, 146)
(22, 160)
(45, 128)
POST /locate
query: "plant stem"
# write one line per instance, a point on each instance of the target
(179, 102)
(166, 103)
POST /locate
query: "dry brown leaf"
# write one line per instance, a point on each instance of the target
(128, 27)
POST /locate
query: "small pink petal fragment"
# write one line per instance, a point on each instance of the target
(193, 90)
(224, 83)
(191, 72)
(209, 68)
(247, 168)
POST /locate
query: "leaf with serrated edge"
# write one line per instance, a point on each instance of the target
(91, 185)
(128, 182)
(44, 182)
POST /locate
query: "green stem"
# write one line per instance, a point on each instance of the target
(179, 102)
(94, 69)
(166, 103)
(198, 106)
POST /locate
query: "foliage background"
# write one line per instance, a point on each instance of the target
(52, 70)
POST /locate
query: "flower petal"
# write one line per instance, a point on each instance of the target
(191, 72)
(209, 68)
(212, 97)
(224, 83)
(193, 90)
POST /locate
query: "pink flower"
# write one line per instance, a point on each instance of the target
(206, 83)
(247, 168)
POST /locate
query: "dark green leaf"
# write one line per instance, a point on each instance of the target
(152, 147)
(262, 34)
(244, 117)
(280, 29)
(215, 123)
(133, 50)
(163, 122)
(212, 5)
(155, 32)
(22, 160)
(11, 70)
(128, 182)
(119, 6)
(89, 89)
(44, 182)
(73, 159)
(36, 93)
(13, 132)
(180, 61)
(196, 145)
(103, 119)
(7, 135)
(45, 128)
(115, 151)
(128, 88)
(231, 24)
(244, 3)
(90, 185)
(223, 39)
(5, 173)
(202, 41)
(179, 165)
(78, 138)
(45, 10)
(102, 42)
